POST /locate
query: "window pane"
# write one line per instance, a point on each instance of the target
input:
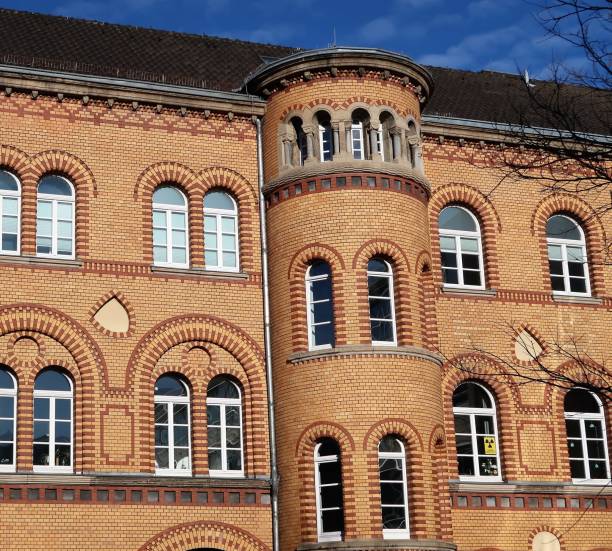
(234, 460)
(329, 473)
(181, 436)
(161, 435)
(214, 415)
(6, 429)
(228, 242)
(394, 518)
(574, 448)
(484, 424)
(181, 458)
(232, 416)
(577, 285)
(43, 245)
(44, 228)
(9, 224)
(54, 185)
(160, 237)
(229, 260)
(40, 454)
(331, 496)
(557, 284)
(9, 242)
(456, 218)
(574, 269)
(450, 276)
(160, 254)
(595, 449)
(449, 260)
(62, 456)
(462, 424)
(44, 209)
(471, 278)
(159, 218)
(214, 437)
(168, 195)
(179, 238)
(469, 245)
(62, 432)
(470, 261)
(179, 256)
(378, 286)
(573, 427)
(178, 220)
(6, 406)
(64, 246)
(210, 224)
(464, 444)
(161, 458)
(593, 429)
(392, 494)
(211, 258)
(332, 521)
(6, 454)
(228, 225)
(562, 227)
(488, 466)
(447, 243)
(466, 466)
(180, 414)
(64, 211)
(577, 469)
(598, 469)
(555, 267)
(233, 438)
(390, 469)
(322, 311)
(41, 408)
(575, 254)
(41, 431)
(161, 413)
(218, 200)
(380, 308)
(63, 409)
(382, 331)
(324, 334)
(321, 290)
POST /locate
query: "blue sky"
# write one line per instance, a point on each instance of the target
(499, 35)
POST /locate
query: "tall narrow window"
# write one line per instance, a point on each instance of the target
(393, 488)
(224, 412)
(357, 145)
(586, 437)
(300, 140)
(10, 208)
(8, 415)
(476, 433)
(319, 306)
(172, 426)
(328, 482)
(53, 427)
(567, 258)
(326, 136)
(381, 299)
(220, 231)
(170, 227)
(55, 218)
(461, 248)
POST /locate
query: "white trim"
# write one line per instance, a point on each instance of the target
(397, 533)
(318, 460)
(223, 403)
(55, 200)
(322, 150)
(564, 243)
(11, 393)
(457, 235)
(168, 210)
(472, 413)
(17, 195)
(170, 402)
(357, 135)
(219, 215)
(311, 324)
(389, 276)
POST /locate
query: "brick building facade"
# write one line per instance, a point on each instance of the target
(133, 366)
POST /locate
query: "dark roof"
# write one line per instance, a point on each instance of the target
(135, 53)
(105, 49)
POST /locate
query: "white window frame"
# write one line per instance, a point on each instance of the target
(582, 418)
(55, 200)
(457, 235)
(564, 243)
(322, 142)
(12, 194)
(380, 144)
(397, 533)
(219, 214)
(357, 135)
(167, 210)
(472, 413)
(391, 298)
(223, 403)
(311, 324)
(318, 460)
(11, 393)
(171, 402)
(52, 396)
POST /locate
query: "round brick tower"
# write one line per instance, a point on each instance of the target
(350, 298)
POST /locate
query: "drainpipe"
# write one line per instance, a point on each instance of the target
(267, 341)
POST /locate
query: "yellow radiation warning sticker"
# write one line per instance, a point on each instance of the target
(489, 445)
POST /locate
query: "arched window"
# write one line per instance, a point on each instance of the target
(300, 141)
(461, 248)
(53, 426)
(393, 488)
(384, 140)
(55, 217)
(412, 136)
(8, 416)
(586, 436)
(476, 433)
(224, 412)
(172, 426)
(326, 136)
(328, 486)
(567, 258)
(359, 123)
(319, 306)
(10, 209)
(381, 299)
(170, 228)
(220, 231)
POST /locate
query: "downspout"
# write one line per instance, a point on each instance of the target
(267, 340)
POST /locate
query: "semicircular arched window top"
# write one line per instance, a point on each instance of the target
(10, 213)
(567, 256)
(220, 232)
(53, 422)
(55, 217)
(461, 248)
(170, 227)
(328, 486)
(393, 488)
(586, 436)
(172, 426)
(319, 305)
(476, 435)
(224, 413)
(8, 420)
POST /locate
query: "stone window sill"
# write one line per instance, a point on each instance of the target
(366, 350)
(42, 261)
(200, 272)
(469, 292)
(539, 487)
(571, 299)
(382, 544)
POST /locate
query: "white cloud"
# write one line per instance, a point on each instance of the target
(379, 29)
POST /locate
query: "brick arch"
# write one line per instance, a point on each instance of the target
(304, 451)
(487, 372)
(74, 169)
(594, 233)
(536, 335)
(401, 282)
(171, 172)
(120, 296)
(545, 528)
(14, 160)
(436, 438)
(140, 376)
(417, 490)
(247, 198)
(205, 534)
(490, 225)
(296, 274)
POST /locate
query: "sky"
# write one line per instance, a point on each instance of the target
(498, 35)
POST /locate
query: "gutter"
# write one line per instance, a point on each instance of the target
(267, 338)
(118, 88)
